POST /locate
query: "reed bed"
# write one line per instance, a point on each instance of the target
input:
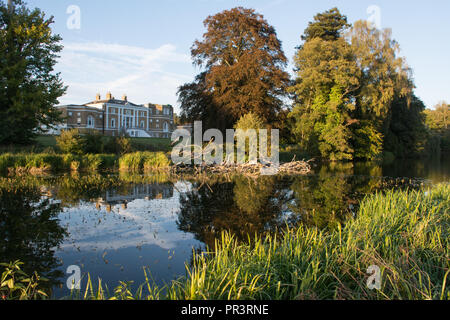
(146, 161)
(48, 162)
(52, 162)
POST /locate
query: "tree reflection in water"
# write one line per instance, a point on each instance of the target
(246, 206)
(30, 231)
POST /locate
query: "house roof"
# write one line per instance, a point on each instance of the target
(113, 101)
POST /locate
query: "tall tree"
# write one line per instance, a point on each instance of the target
(353, 91)
(28, 86)
(386, 97)
(243, 70)
(327, 77)
(326, 26)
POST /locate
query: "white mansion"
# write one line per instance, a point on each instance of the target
(112, 116)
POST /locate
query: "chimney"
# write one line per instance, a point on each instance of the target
(125, 98)
(98, 97)
(108, 95)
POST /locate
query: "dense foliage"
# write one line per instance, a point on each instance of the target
(438, 122)
(28, 86)
(243, 72)
(353, 94)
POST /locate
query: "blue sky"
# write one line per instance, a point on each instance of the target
(142, 47)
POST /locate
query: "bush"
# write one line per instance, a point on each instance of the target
(117, 145)
(71, 141)
(93, 142)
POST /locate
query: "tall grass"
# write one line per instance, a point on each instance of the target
(404, 233)
(44, 162)
(143, 161)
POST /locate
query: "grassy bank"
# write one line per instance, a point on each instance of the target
(404, 233)
(52, 162)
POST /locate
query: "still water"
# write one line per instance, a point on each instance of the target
(112, 226)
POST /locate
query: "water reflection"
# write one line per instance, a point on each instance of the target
(30, 231)
(113, 225)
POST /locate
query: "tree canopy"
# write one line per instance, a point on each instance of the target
(28, 86)
(243, 66)
(353, 93)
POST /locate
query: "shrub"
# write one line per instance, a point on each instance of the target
(124, 145)
(71, 141)
(93, 142)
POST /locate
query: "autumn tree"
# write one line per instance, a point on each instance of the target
(28, 86)
(243, 70)
(386, 97)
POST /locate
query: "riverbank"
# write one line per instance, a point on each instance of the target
(403, 233)
(53, 162)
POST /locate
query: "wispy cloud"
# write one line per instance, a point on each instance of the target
(145, 75)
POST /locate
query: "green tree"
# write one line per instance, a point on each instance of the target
(327, 76)
(438, 124)
(28, 86)
(243, 66)
(326, 26)
(353, 94)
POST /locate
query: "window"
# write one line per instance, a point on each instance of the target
(70, 114)
(166, 127)
(90, 122)
(113, 123)
(79, 121)
(142, 124)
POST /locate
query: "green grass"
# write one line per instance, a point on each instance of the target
(46, 141)
(151, 144)
(143, 161)
(52, 162)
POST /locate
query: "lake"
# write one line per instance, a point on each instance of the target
(113, 225)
